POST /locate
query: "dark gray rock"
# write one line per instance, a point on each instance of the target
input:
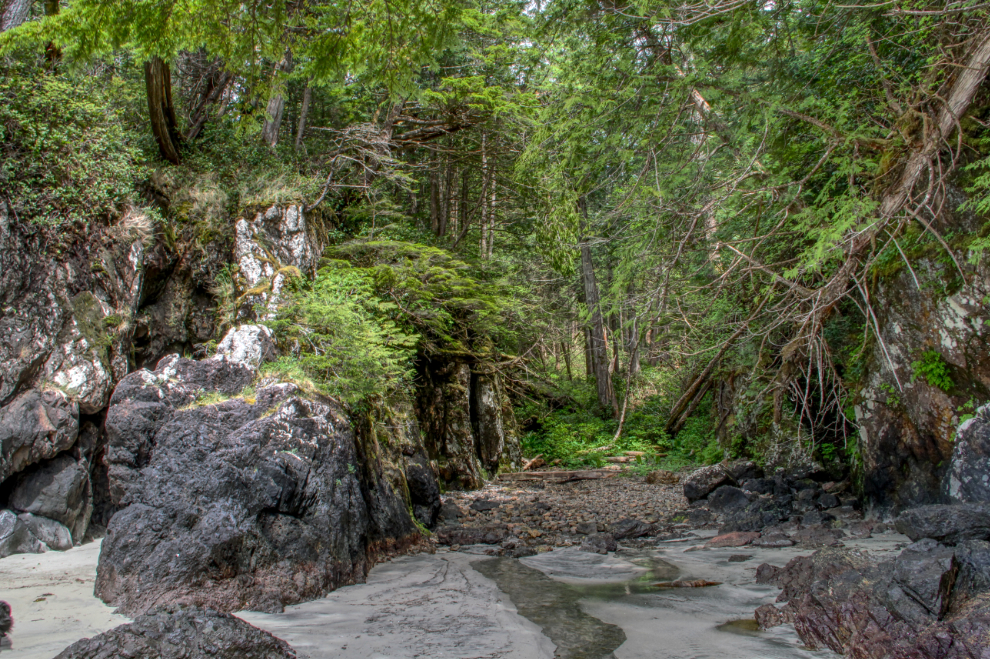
(759, 514)
(702, 482)
(35, 426)
(743, 470)
(51, 533)
(966, 479)
(482, 505)
(587, 528)
(189, 633)
(816, 517)
(472, 535)
(949, 524)
(758, 485)
(631, 528)
(424, 491)
(727, 499)
(58, 489)
(451, 512)
(16, 537)
(827, 501)
(250, 502)
(926, 570)
(973, 558)
(6, 619)
(599, 543)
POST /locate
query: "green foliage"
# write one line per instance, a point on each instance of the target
(428, 291)
(68, 154)
(341, 336)
(933, 369)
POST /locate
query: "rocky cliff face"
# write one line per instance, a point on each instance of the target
(215, 487)
(907, 424)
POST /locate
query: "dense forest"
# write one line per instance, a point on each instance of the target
(676, 232)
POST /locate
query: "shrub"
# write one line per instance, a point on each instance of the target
(933, 368)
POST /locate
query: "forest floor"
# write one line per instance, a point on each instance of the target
(552, 513)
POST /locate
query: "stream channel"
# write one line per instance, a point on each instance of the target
(567, 604)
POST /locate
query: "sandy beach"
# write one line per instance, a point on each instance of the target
(51, 595)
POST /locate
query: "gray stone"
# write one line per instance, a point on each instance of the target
(631, 528)
(968, 477)
(949, 524)
(702, 482)
(190, 633)
(926, 570)
(58, 489)
(53, 534)
(727, 499)
(35, 426)
(599, 543)
(774, 541)
(16, 537)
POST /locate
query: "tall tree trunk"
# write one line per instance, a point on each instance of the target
(565, 348)
(276, 106)
(15, 12)
(301, 130)
(273, 120)
(491, 212)
(599, 339)
(161, 111)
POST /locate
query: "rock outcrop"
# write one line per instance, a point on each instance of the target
(467, 421)
(236, 498)
(908, 425)
(930, 602)
(182, 633)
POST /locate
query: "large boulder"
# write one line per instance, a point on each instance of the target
(189, 633)
(727, 499)
(966, 479)
(948, 524)
(237, 498)
(702, 482)
(58, 489)
(36, 426)
(910, 606)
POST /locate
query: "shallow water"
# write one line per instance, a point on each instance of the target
(606, 607)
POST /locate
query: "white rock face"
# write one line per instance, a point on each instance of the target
(250, 345)
(266, 246)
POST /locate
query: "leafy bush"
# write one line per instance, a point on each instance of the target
(69, 154)
(933, 368)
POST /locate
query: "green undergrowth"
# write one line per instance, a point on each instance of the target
(581, 436)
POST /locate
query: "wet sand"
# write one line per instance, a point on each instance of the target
(566, 604)
(51, 595)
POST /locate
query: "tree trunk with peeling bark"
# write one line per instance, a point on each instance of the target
(15, 12)
(161, 111)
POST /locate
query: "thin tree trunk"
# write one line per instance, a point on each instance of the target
(599, 339)
(483, 246)
(630, 372)
(565, 348)
(15, 13)
(491, 213)
(214, 92)
(161, 111)
(434, 203)
(301, 130)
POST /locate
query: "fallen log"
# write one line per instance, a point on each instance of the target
(566, 476)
